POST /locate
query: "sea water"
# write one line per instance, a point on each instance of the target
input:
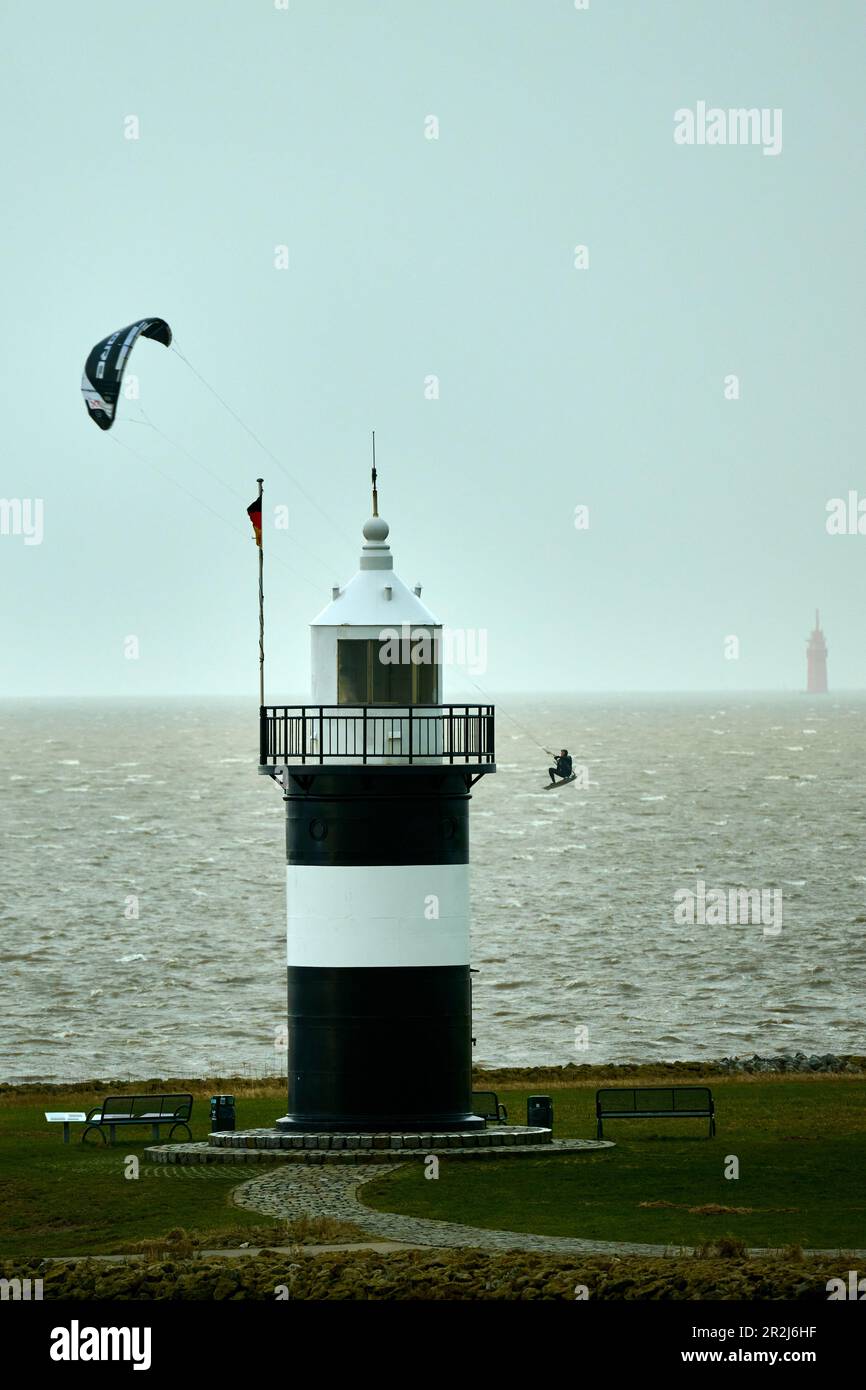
(142, 913)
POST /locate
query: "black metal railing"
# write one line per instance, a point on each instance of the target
(293, 734)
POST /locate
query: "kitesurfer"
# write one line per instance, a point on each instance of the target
(562, 768)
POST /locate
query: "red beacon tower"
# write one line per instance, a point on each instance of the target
(816, 660)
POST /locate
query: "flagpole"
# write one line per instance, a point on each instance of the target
(260, 482)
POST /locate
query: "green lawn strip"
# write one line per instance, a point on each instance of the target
(801, 1145)
(774, 1103)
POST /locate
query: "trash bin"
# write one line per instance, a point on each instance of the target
(539, 1111)
(222, 1112)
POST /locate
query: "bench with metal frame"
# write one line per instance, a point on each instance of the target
(489, 1107)
(653, 1103)
(154, 1110)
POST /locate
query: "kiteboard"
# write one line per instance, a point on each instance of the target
(550, 786)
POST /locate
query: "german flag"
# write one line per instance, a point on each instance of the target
(254, 512)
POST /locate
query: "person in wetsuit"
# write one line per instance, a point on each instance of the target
(563, 767)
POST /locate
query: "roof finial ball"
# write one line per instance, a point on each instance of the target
(376, 529)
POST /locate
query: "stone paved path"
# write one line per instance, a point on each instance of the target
(293, 1191)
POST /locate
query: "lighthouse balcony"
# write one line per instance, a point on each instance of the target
(349, 736)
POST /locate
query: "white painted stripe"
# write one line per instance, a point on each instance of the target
(127, 344)
(392, 914)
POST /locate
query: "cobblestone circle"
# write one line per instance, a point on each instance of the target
(257, 1152)
(494, 1136)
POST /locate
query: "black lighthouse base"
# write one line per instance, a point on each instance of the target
(379, 991)
(376, 1049)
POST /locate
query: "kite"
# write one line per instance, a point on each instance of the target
(103, 370)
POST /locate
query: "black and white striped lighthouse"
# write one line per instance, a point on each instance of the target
(376, 775)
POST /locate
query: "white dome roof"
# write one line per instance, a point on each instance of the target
(375, 596)
(365, 603)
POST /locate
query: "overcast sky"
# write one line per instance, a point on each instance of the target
(410, 258)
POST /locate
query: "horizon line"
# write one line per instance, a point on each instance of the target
(461, 700)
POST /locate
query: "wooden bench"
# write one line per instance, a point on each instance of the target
(119, 1111)
(486, 1104)
(654, 1103)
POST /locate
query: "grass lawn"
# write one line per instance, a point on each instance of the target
(801, 1145)
(74, 1199)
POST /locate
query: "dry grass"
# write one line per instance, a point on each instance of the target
(726, 1247)
(720, 1272)
(182, 1244)
(569, 1077)
(716, 1209)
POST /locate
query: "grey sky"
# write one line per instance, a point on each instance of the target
(408, 257)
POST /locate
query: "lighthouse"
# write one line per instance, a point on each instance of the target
(376, 774)
(816, 660)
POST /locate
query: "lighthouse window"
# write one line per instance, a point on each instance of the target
(365, 678)
(352, 673)
(426, 683)
(392, 680)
